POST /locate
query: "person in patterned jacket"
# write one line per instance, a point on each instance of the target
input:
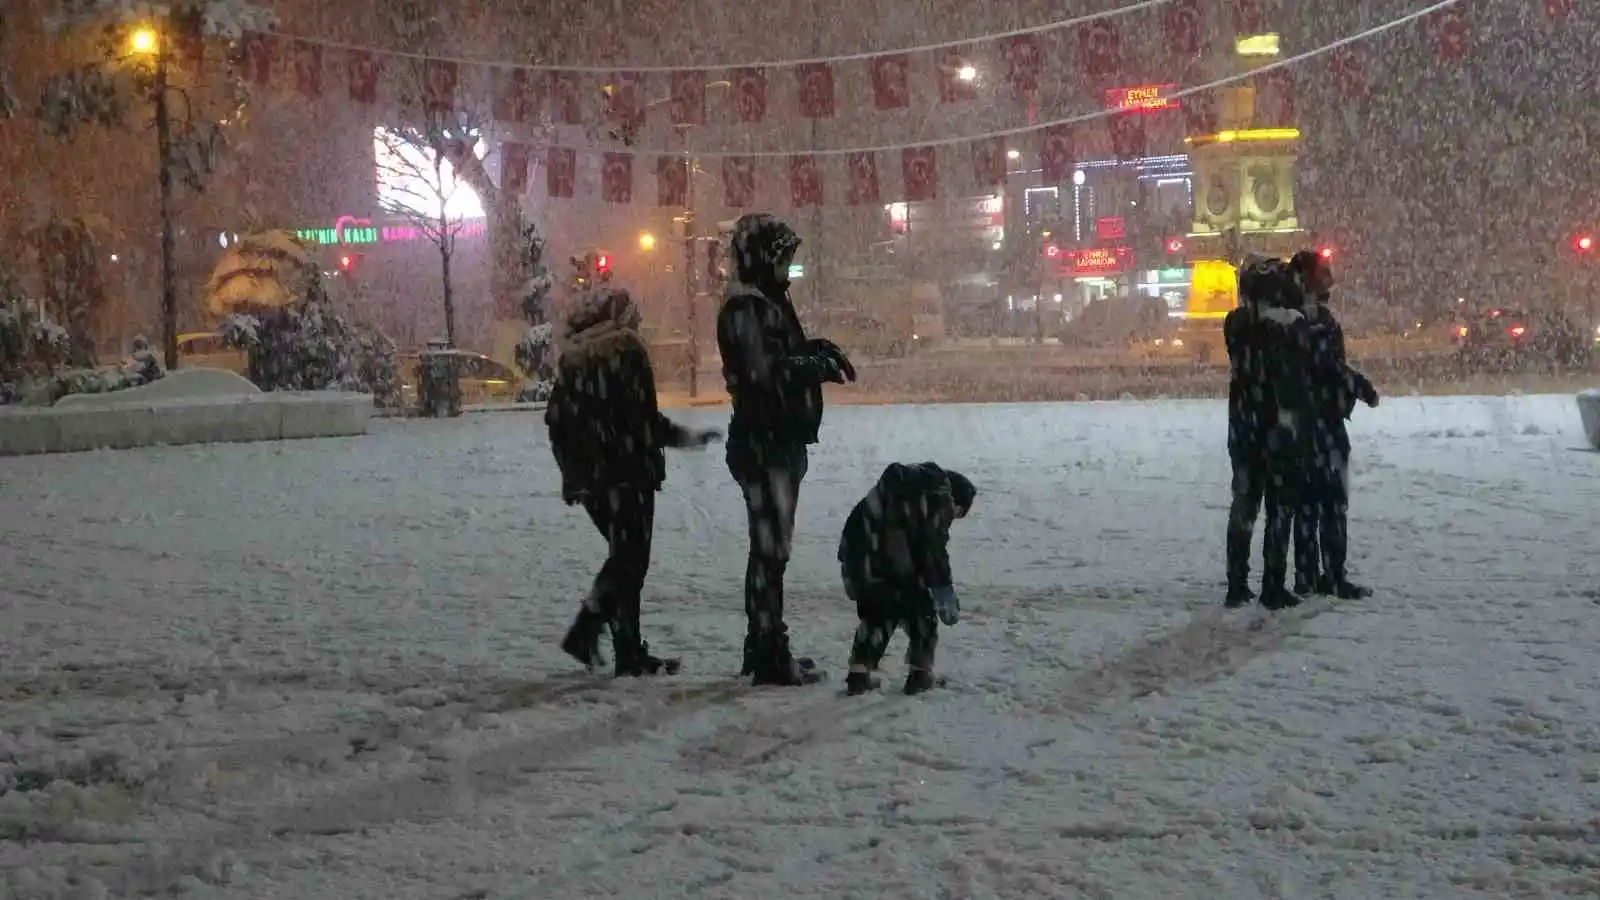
(895, 561)
(607, 435)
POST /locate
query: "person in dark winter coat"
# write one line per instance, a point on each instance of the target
(896, 567)
(607, 435)
(1320, 529)
(1251, 414)
(1268, 443)
(774, 375)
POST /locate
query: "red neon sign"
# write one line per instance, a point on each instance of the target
(1143, 98)
(1110, 228)
(1097, 261)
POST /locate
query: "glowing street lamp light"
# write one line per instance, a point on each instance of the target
(967, 73)
(647, 241)
(144, 41)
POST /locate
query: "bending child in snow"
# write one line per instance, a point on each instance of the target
(896, 568)
(607, 433)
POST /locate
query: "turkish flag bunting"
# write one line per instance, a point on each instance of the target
(1100, 45)
(439, 80)
(805, 181)
(1127, 135)
(1248, 17)
(1559, 10)
(514, 161)
(1275, 99)
(687, 100)
(816, 90)
(750, 94)
(1200, 113)
(1453, 33)
(919, 166)
(308, 70)
(952, 87)
(1349, 72)
(624, 107)
(890, 87)
(863, 179)
(512, 97)
(566, 107)
(363, 72)
(672, 181)
(1057, 155)
(616, 178)
(560, 172)
(989, 162)
(1184, 27)
(259, 52)
(738, 181)
(1022, 62)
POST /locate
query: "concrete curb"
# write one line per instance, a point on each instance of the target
(175, 421)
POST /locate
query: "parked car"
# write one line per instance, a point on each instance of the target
(206, 350)
(1513, 338)
(482, 379)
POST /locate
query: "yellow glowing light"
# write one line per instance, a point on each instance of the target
(1245, 135)
(647, 242)
(1257, 45)
(143, 40)
(966, 73)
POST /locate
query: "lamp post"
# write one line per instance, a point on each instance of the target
(145, 41)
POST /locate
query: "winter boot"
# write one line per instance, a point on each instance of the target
(858, 683)
(1276, 598)
(919, 681)
(1347, 590)
(749, 666)
(636, 661)
(1304, 586)
(775, 665)
(582, 642)
(1239, 595)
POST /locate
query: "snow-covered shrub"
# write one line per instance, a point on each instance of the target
(536, 359)
(32, 345)
(311, 346)
(535, 354)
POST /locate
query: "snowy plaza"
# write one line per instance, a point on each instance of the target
(328, 669)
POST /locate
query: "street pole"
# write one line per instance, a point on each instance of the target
(688, 267)
(169, 288)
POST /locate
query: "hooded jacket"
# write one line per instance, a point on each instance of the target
(605, 427)
(772, 375)
(900, 531)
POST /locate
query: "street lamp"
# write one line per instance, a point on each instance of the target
(967, 73)
(143, 41)
(647, 241)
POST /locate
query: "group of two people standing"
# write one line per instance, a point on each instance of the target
(607, 433)
(1291, 389)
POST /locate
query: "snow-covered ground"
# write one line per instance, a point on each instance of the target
(327, 669)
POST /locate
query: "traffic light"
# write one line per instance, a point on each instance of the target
(602, 264)
(1583, 243)
(348, 263)
(1326, 253)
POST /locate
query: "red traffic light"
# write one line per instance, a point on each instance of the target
(1584, 243)
(602, 263)
(1326, 253)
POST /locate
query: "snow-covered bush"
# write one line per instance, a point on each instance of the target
(536, 359)
(32, 345)
(312, 347)
(535, 354)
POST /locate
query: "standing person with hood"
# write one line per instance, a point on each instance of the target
(774, 376)
(1251, 415)
(1320, 523)
(607, 434)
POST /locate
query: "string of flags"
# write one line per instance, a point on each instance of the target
(1097, 46)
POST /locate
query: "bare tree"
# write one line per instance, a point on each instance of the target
(421, 186)
(151, 53)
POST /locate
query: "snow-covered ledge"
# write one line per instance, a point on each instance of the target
(197, 407)
(1589, 411)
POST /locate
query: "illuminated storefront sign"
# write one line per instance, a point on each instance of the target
(1096, 261)
(1144, 98)
(351, 230)
(1110, 228)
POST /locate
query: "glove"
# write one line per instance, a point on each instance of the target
(832, 372)
(826, 349)
(1369, 394)
(946, 604)
(710, 436)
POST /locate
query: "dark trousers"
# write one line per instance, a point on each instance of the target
(1288, 454)
(1321, 519)
(770, 479)
(881, 608)
(1249, 487)
(625, 516)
